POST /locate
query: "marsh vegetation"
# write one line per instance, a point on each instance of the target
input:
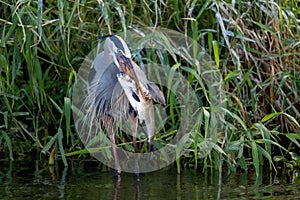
(255, 46)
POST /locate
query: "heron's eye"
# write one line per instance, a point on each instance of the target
(120, 51)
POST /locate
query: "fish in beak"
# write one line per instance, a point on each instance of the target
(126, 67)
(141, 102)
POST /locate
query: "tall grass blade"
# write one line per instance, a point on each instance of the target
(67, 111)
(50, 144)
(216, 53)
(8, 143)
(61, 147)
(255, 158)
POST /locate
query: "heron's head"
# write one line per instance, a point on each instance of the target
(117, 48)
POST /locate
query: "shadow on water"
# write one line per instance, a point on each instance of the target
(35, 180)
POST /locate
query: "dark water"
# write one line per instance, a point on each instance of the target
(86, 181)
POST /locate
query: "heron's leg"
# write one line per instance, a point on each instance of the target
(117, 184)
(108, 122)
(133, 125)
(151, 145)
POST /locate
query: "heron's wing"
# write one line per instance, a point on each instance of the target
(107, 94)
(119, 102)
(102, 62)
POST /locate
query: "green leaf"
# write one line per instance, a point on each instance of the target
(267, 28)
(198, 78)
(255, 157)
(278, 158)
(56, 106)
(10, 31)
(87, 151)
(267, 141)
(231, 75)
(195, 38)
(216, 53)
(294, 137)
(40, 18)
(210, 42)
(269, 116)
(217, 148)
(67, 109)
(292, 118)
(61, 146)
(20, 114)
(242, 162)
(8, 143)
(266, 155)
(5, 117)
(236, 117)
(49, 144)
(3, 63)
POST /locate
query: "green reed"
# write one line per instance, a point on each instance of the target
(255, 46)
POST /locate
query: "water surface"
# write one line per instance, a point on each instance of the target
(84, 180)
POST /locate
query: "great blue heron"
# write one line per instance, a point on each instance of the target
(118, 88)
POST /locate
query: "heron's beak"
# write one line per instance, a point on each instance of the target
(127, 67)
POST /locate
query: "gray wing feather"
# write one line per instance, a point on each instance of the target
(105, 90)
